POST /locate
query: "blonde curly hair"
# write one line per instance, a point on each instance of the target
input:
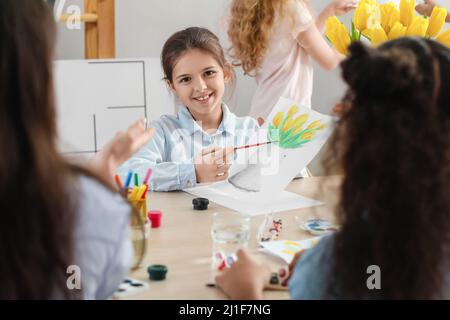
(250, 25)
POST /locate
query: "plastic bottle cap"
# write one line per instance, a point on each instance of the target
(157, 272)
(155, 218)
(200, 204)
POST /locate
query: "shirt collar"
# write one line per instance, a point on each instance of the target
(188, 123)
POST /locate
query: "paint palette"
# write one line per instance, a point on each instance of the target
(318, 226)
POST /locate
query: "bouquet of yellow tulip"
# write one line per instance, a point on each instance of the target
(380, 23)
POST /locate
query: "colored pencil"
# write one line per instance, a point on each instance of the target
(148, 175)
(136, 180)
(118, 182)
(128, 180)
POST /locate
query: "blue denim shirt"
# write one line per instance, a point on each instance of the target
(176, 143)
(312, 275)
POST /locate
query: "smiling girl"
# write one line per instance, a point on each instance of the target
(191, 147)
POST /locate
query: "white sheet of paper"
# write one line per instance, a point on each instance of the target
(226, 195)
(286, 249)
(268, 169)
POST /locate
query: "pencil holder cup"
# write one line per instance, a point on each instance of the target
(140, 230)
(139, 237)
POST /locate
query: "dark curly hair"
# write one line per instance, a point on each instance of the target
(392, 145)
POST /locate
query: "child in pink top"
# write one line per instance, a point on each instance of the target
(274, 40)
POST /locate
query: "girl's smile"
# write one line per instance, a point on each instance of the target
(204, 98)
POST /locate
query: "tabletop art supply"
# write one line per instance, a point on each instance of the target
(200, 204)
(133, 194)
(270, 229)
(286, 249)
(157, 272)
(254, 145)
(148, 175)
(142, 192)
(275, 283)
(155, 217)
(139, 236)
(318, 227)
(229, 232)
(118, 182)
(137, 195)
(224, 261)
(130, 287)
(128, 179)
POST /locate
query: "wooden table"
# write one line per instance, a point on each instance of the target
(184, 244)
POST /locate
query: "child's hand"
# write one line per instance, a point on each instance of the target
(212, 164)
(245, 279)
(120, 149)
(341, 7)
(426, 7)
(286, 274)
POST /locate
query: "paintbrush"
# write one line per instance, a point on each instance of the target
(253, 145)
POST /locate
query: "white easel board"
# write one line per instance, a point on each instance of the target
(97, 98)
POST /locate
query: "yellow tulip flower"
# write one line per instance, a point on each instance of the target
(293, 110)
(437, 20)
(277, 119)
(378, 36)
(397, 31)
(444, 38)
(418, 27)
(360, 17)
(367, 14)
(407, 11)
(394, 17)
(366, 33)
(338, 35)
(307, 135)
(288, 125)
(374, 17)
(314, 125)
(300, 121)
(389, 15)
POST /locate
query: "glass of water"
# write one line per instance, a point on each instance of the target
(230, 232)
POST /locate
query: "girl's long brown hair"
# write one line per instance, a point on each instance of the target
(249, 29)
(393, 145)
(38, 215)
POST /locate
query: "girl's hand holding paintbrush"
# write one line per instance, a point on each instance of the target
(212, 164)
